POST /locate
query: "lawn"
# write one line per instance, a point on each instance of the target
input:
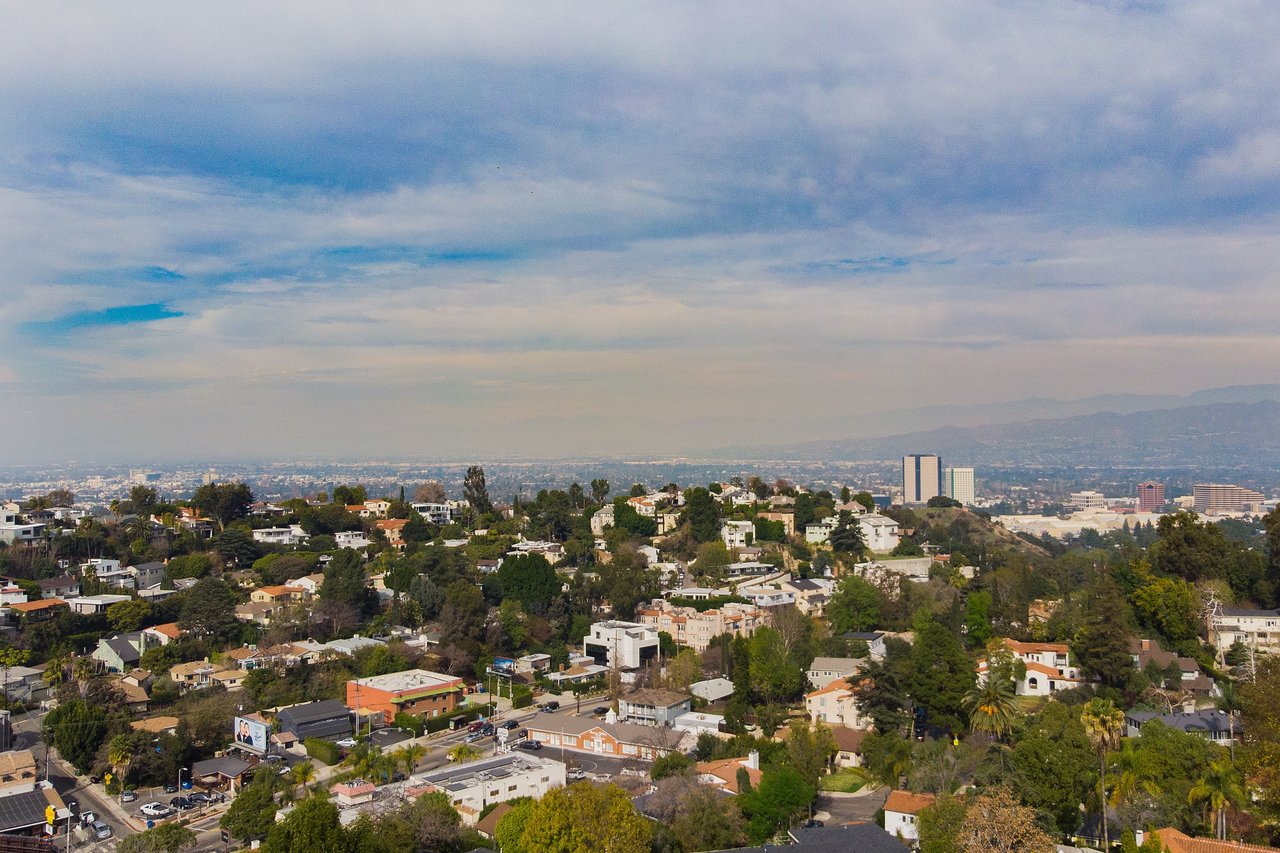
(845, 781)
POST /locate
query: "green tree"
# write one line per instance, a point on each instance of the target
(346, 583)
(224, 502)
(529, 579)
(253, 811)
(236, 547)
(599, 490)
(313, 825)
(672, 764)
(144, 500)
(854, 605)
(577, 819)
(1104, 726)
(165, 838)
(509, 832)
(188, 566)
(941, 674)
(476, 491)
(1169, 606)
(887, 757)
(350, 495)
(209, 610)
(939, 825)
(774, 674)
(705, 821)
(128, 615)
(702, 513)
(810, 749)
(1102, 645)
(76, 729)
(464, 613)
(1050, 765)
(847, 537)
(781, 796)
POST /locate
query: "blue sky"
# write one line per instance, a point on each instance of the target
(470, 229)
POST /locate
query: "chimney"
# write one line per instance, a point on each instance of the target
(1146, 645)
(753, 759)
(1189, 706)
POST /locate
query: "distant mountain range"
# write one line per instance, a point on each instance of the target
(1221, 427)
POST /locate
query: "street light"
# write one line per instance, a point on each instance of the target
(180, 770)
(71, 805)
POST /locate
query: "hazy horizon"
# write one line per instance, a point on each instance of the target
(556, 231)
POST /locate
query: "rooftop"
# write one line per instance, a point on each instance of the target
(409, 680)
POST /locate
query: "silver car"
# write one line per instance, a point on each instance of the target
(101, 830)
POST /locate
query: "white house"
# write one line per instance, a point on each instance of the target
(627, 645)
(601, 519)
(836, 705)
(493, 780)
(291, 535)
(902, 813)
(436, 513)
(351, 539)
(1255, 629)
(823, 671)
(878, 532)
(1048, 665)
(737, 534)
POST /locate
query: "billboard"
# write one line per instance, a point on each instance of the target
(504, 664)
(250, 734)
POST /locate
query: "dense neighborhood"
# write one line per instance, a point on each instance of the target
(675, 668)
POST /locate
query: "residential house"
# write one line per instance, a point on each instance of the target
(646, 505)
(38, 611)
(823, 670)
(91, 605)
(354, 539)
(122, 652)
(626, 645)
(163, 634)
(1210, 723)
(695, 629)
(278, 594)
(902, 813)
(601, 519)
(1258, 630)
(1048, 668)
(787, 518)
(879, 533)
(1150, 654)
(873, 639)
(260, 612)
(291, 535)
(309, 584)
(697, 722)
(135, 695)
(737, 534)
(156, 725)
(713, 689)
(63, 586)
(722, 774)
(836, 704)
(435, 513)
(393, 529)
(354, 792)
(819, 533)
(24, 683)
(1177, 841)
(848, 745)
(653, 707)
(194, 675)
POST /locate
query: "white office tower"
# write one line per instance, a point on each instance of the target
(959, 482)
(921, 478)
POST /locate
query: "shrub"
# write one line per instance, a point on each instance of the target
(523, 697)
(410, 722)
(322, 750)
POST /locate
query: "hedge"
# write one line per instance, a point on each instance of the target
(322, 750)
(523, 697)
(410, 722)
(436, 724)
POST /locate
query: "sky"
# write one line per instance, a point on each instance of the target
(465, 230)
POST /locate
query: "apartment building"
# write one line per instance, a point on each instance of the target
(696, 629)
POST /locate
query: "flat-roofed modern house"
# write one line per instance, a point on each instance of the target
(327, 719)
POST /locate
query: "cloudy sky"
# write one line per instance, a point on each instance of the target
(472, 229)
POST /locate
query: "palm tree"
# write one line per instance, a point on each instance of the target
(1104, 724)
(304, 773)
(410, 756)
(1228, 701)
(992, 706)
(119, 754)
(1218, 788)
(1131, 778)
(462, 753)
(83, 670)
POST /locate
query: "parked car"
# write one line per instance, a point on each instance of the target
(508, 725)
(202, 797)
(170, 788)
(531, 745)
(273, 758)
(473, 737)
(182, 803)
(553, 705)
(156, 810)
(346, 742)
(576, 775)
(101, 830)
(600, 710)
(476, 726)
(129, 796)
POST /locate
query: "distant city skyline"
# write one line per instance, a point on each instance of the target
(458, 230)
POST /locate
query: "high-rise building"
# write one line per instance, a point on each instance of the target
(1150, 496)
(1223, 497)
(959, 483)
(921, 478)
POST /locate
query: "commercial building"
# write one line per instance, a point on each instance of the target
(626, 645)
(415, 691)
(620, 740)
(472, 787)
(328, 719)
(1150, 496)
(959, 485)
(921, 478)
(1224, 497)
(1087, 499)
